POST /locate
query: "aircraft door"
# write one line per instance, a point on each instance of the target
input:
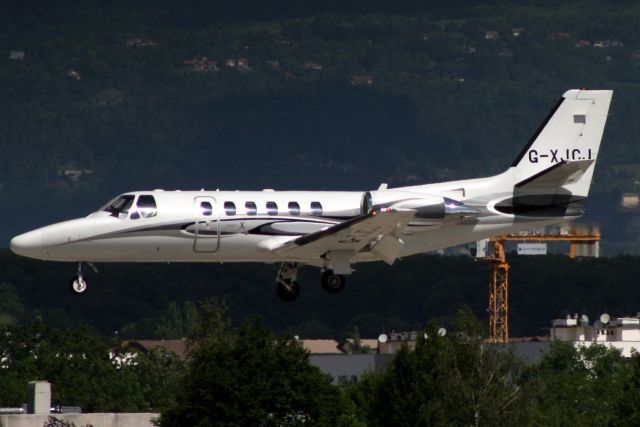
(207, 225)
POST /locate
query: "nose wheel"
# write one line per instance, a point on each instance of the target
(78, 284)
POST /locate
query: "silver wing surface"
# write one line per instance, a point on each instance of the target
(378, 232)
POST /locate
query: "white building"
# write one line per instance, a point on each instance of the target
(622, 333)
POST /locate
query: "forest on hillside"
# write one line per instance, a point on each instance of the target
(105, 97)
(158, 300)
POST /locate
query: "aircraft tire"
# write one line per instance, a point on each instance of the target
(78, 285)
(289, 292)
(332, 283)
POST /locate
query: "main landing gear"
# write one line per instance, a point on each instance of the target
(331, 282)
(288, 288)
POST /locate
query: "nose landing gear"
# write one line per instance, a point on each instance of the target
(79, 284)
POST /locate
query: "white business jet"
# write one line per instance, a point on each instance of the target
(547, 184)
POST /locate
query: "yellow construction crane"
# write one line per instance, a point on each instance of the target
(499, 285)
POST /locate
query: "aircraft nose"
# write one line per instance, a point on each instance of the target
(28, 244)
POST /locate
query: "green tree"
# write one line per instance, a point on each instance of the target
(251, 377)
(177, 320)
(11, 310)
(580, 386)
(84, 370)
(627, 408)
(446, 380)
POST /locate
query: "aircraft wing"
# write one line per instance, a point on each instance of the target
(376, 231)
(560, 174)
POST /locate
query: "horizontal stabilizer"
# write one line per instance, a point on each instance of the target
(352, 235)
(556, 176)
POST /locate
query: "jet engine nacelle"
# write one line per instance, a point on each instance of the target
(431, 210)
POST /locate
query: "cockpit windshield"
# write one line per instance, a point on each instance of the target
(120, 206)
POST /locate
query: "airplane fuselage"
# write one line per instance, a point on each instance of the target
(243, 226)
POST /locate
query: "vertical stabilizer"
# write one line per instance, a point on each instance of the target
(571, 133)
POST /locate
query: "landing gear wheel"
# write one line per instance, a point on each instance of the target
(332, 283)
(78, 285)
(288, 291)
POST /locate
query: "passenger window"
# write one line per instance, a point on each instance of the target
(251, 208)
(294, 208)
(316, 208)
(146, 206)
(272, 208)
(206, 209)
(230, 208)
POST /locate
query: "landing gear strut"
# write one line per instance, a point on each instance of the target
(78, 284)
(288, 288)
(331, 282)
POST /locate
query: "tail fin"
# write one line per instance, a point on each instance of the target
(563, 151)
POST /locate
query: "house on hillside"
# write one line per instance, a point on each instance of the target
(491, 35)
(630, 201)
(73, 74)
(605, 44)
(362, 80)
(310, 65)
(17, 55)
(141, 42)
(202, 64)
(74, 175)
(517, 32)
(559, 36)
(243, 64)
(583, 43)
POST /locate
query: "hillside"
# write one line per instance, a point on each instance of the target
(147, 300)
(105, 97)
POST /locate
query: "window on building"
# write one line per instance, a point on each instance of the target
(230, 208)
(272, 208)
(251, 208)
(316, 208)
(206, 209)
(294, 208)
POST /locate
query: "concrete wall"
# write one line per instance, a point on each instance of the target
(80, 420)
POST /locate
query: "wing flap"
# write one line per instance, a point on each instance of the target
(354, 235)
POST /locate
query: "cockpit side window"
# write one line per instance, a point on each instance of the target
(119, 207)
(146, 205)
